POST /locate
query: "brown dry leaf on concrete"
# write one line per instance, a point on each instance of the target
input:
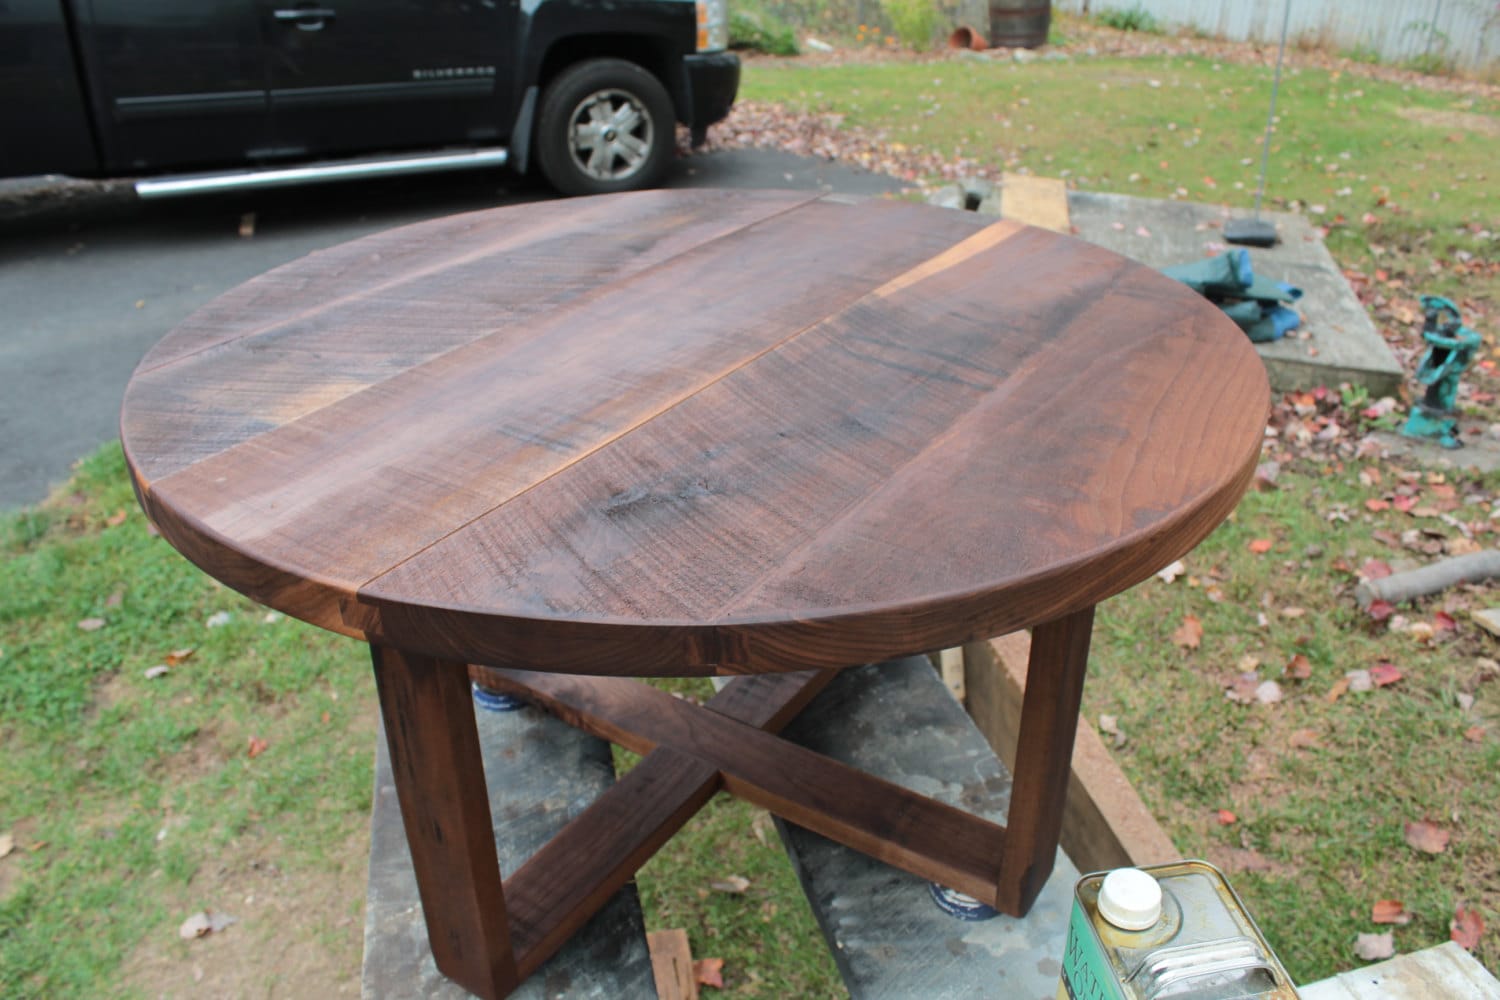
(1374, 947)
(709, 972)
(1467, 927)
(1427, 837)
(1390, 911)
(1189, 635)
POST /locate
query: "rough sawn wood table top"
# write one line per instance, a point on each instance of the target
(686, 432)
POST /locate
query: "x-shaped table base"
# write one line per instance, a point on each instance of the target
(489, 936)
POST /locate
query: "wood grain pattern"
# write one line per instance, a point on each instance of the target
(439, 777)
(873, 816)
(1049, 717)
(679, 433)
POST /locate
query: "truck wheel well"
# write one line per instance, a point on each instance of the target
(644, 52)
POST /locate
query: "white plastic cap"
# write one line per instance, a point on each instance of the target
(1130, 899)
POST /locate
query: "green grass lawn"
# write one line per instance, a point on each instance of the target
(1421, 163)
(131, 802)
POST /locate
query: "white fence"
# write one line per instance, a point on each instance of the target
(1464, 32)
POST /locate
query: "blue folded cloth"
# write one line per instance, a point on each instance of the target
(1253, 302)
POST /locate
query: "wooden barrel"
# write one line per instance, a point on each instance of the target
(1019, 24)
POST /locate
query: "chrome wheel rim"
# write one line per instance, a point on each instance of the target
(609, 135)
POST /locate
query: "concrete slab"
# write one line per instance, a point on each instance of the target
(1481, 449)
(1337, 342)
(541, 773)
(890, 940)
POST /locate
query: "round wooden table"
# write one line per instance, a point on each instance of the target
(694, 432)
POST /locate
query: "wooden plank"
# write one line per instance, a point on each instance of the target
(438, 771)
(672, 964)
(1105, 823)
(1445, 970)
(1036, 201)
(582, 866)
(875, 817)
(1049, 716)
(889, 938)
(541, 773)
(589, 860)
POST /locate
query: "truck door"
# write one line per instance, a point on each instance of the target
(174, 83)
(357, 75)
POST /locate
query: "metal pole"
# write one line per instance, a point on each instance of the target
(1265, 150)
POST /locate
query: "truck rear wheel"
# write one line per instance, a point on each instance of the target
(605, 125)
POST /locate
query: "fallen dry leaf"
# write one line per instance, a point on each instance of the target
(115, 599)
(1474, 734)
(91, 624)
(204, 923)
(177, 656)
(160, 670)
(761, 826)
(1374, 947)
(1383, 674)
(218, 618)
(1444, 622)
(1298, 668)
(1390, 911)
(1303, 739)
(1427, 837)
(7, 843)
(1260, 546)
(258, 746)
(1375, 569)
(1242, 688)
(1380, 610)
(709, 972)
(1190, 633)
(1375, 505)
(1172, 572)
(735, 884)
(116, 519)
(1467, 927)
(1226, 818)
(1268, 693)
(1340, 687)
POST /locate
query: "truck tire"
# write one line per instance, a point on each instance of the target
(605, 125)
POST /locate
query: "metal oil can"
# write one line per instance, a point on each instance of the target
(1170, 932)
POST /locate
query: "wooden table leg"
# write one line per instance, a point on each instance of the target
(1044, 753)
(439, 777)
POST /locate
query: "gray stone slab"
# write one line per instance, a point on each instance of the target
(897, 720)
(541, 773)
(1337, 342)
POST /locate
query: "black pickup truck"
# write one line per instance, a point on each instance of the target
(212, 95)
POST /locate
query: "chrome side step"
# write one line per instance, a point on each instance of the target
(314, 173)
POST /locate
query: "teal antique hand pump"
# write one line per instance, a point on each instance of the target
(1451, 347)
